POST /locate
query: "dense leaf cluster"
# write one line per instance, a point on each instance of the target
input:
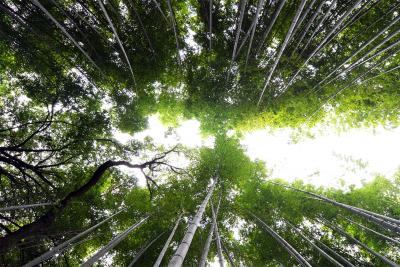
(72, 73)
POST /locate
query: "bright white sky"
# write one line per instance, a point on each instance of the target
(353, 156)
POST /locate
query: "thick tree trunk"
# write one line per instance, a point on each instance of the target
(376, 254)
(283, 46)
(59, 248)
(206, 248)
(293, 252)
(42, 225)
(164, 249)
(143, 250)
(183, 248)
(115, 241)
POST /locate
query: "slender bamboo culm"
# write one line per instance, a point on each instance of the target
(49, 254)
(164, 249)
(183, 248)
(115, 241)
(292, 251)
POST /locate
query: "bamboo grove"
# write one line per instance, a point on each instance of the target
(72, 73)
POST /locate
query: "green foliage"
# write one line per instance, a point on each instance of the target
(59, 108)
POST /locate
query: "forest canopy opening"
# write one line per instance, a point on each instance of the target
(248, 171)
(323, 155)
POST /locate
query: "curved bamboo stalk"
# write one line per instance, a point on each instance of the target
(350, 84)
(116, 37)
(358, 242)
(293, 252)
(372, 231)
(87, 22)
(390, 11)
(367, 43)
(337, 255)
(301, 19)
(210, 26)
(284, 44)
(247, 35)
(206, 248)
(392, 220)
(239, 27)
(228, 254)
(164, 249)
(143, 250)
(363, 81)
(356, 16)
(270, 25)
(323, 253)
(115, 241)
(141, 25)
(159, 9)
(358, 79)
(175, 31)
(57, 249)
(307, 27)
(358, 211)
(316, 30)
(203, 258)
(238, 30)
(323, 42)
(26, 206)
(41, 7)
(365, 59)
(260, 5)
(383, 72)
(183, 248)
(217, 237)
(65, 13)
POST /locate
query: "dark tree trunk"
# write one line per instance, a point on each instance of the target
(42, 226)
